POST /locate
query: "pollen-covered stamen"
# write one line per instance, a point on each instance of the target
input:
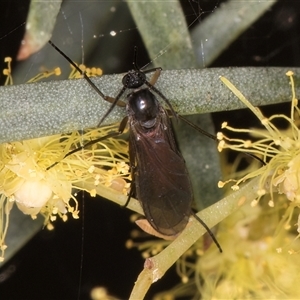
(93, 72)
(45, 74)
(90, 72)
(255, 110)
(7, 72)
(26, 181)
(279, 148)
(220, 136)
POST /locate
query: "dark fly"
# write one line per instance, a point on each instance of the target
(160, 179)
(159, 173)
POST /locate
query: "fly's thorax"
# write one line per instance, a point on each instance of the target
(143, 107)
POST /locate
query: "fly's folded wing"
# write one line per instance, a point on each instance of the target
(161, 179)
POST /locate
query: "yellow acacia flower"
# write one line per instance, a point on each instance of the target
(253, 265)
(279, 149)
(31, 179)
(260, 258)
(261, 254)
(26, 181)
(89, 72)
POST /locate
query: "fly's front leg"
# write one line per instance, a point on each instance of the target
(155, 76)
(90, 143)
(151, 86)
(132, 164)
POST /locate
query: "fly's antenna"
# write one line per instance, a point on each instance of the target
(134, 63)
(79, 70)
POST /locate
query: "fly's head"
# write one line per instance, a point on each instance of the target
(134, 79)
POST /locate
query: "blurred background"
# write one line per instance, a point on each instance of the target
(78, 255)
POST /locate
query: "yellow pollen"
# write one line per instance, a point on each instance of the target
(247, 144)
(91, 169)
(220, 136)
(261, 192)
(50, 226)
(254, 203)
(52, 218)
(221, 145)
(235, 187)
(224, 125)
(93, 193)
(221, 184)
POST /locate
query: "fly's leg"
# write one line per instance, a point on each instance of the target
(110, 135)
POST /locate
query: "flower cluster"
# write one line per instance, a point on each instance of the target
(278, 149)
(39, 178)
(260, 258)
(26, 180)
(253, 264)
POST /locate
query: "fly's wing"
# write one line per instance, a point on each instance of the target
(162, 183)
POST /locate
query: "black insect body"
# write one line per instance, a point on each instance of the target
(160, 180)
